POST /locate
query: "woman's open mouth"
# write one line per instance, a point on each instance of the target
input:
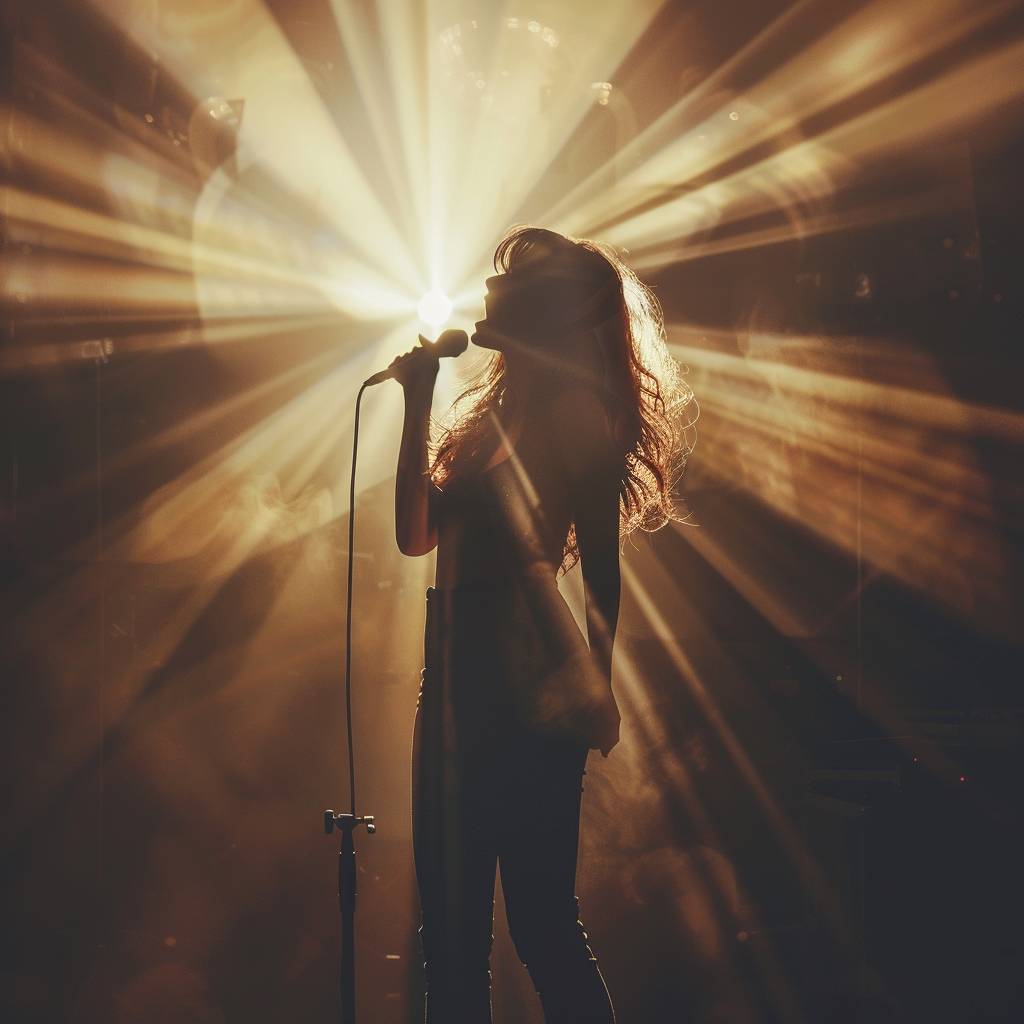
(482, 330)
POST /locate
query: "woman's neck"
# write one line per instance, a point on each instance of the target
(527, 378)
(550, 364)
(517, 382)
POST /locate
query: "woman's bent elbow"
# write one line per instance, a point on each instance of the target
(413, 549)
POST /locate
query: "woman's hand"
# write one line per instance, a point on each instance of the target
(578, 698)
(416, 369)
(606, 727)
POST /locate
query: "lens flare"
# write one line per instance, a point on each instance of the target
(435, 307)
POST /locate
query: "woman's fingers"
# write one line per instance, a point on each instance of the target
(609, 730)
(414, 367)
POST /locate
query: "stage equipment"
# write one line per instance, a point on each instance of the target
(213, 135)
(450, 343)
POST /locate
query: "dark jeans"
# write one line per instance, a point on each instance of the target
(489, 790)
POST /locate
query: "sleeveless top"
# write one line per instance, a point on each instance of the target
(501, 533)
(505, 522)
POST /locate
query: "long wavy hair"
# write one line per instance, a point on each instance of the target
(650, 407)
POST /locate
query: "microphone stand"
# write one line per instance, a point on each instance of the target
(346, 824)
(450, 343)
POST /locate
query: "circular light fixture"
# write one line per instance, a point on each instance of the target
(435, 307)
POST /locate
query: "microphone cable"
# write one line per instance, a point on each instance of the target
(348, 607)
(450, 343)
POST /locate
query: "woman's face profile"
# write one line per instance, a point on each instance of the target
(514, 309)
(528, 307)
(488, 333)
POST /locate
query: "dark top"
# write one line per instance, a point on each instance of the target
(500, 537)
(508, 521)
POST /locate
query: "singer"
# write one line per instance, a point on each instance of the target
(565, 443)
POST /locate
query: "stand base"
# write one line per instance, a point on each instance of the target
(346, 824)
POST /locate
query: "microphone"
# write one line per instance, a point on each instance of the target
(449, 343)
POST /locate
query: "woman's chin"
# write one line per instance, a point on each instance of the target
(484, 338)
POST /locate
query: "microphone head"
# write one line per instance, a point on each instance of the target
(451, 343)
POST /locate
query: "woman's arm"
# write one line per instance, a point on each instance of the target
(415, 529)
(597, 535)
(588, 458)
(594, 488)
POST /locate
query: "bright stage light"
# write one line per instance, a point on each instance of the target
(435, 307)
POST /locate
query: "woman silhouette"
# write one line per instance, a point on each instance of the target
(569, 441)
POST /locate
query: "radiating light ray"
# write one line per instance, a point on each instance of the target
(967, 582)
(665, 130)
(865, 214)
(645, 736)
(157, 228)
(790, 842)
(805, 171)
(873, 43)
(134, 699)
(812, 169)
(390, 66)
(42, 356)
(799, 439)
(645, 732)
(327, 272)
(217, 516)
(945, 480)
(130, 697)
(761, 589)
(922, 408)
(201, 509)
(136, 453)
(58, 282)
(285, 129)
(513, 139)
(387, 67)
(78, 152)
(46, 282)
(217, 509)
(925, 409)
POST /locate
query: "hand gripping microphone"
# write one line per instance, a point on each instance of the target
(449, 343)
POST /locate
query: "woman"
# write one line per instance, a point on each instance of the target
(569, 439)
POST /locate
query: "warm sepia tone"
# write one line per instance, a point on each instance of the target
(220, 218)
